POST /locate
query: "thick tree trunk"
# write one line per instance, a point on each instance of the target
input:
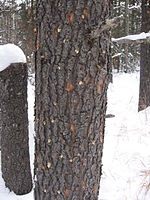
(72, 72)
(14, 129)
(144, 91)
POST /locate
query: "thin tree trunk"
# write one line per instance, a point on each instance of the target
(126, 32)
(72, 72)
(14, 129)
(144, 91)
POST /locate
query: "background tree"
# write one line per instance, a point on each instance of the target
(126, 58)
(8, 21)
(14, 129)
(72, 70)
(17, 23)
(25, 31)
(126, 32)
(144, 97)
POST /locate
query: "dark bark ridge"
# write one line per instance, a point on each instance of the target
(72, 73)
(14, 129)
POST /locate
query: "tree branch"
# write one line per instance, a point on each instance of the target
(109, 23)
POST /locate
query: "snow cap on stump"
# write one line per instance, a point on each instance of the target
(9, 54)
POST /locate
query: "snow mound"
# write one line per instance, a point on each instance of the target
(10, 53)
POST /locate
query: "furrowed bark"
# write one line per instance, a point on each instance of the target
(72, 75)
(14, 129)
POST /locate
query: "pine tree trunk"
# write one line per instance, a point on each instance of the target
(14, 129)
(144, 91)
(72, 72)
(126, 33)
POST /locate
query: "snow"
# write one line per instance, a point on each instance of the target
(116, 55)
(140, 36)
(135, 7)
(126, 157)
(20, 1)
(10, 53)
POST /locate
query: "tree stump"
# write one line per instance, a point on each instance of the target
(14, 129)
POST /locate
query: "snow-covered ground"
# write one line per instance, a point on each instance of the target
(126, 157)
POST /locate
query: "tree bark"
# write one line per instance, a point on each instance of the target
(14, 129)
(144, 90)
(72, 75)
(127, 33)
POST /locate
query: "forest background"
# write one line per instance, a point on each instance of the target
(17, 25)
